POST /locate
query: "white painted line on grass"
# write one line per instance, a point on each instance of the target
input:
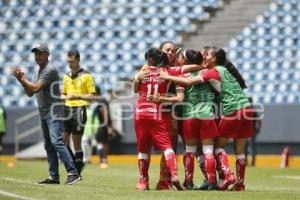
(270, 188)
(288, 177)
(17, 180)
(9, 194)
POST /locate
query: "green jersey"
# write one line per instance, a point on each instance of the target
(91, 125)
(198, 100)
(232, 96)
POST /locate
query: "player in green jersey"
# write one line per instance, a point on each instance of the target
(236, 112)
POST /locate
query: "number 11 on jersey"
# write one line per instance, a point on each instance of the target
(149, 88)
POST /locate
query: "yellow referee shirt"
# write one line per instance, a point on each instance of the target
(81, 83)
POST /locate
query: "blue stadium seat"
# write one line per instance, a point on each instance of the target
(107, 31)
(273, 41)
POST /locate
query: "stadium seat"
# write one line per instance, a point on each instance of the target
(270, 43)
(111, 35)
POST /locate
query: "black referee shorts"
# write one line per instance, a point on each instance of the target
(75, 120)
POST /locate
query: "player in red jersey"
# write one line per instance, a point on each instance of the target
(151, 122)
(175, 127)
(198, 123)
(200, 156)
(237, 120)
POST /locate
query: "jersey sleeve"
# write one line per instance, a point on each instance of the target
(174, 71)
(90, 85)
(48, 76)
(213, 77)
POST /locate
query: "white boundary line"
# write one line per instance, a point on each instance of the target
(269, 188)
(9, 194)
(22, 181)
(17, 180)
(288, 177)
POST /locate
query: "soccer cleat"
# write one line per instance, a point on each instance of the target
(229, 180)
(188, 185)
(212, 186)
(142, 185)
(177, 185)
(204, 185)
(73, 178)
(164, 185)
(49, 181)
(238, 188)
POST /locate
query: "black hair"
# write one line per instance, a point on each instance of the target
(250, 99)
(74, 53)
(221, 59)
(192, 56)
(159, 58)
(166, 42)
(98, 90)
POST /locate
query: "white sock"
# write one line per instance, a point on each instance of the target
(208, 149)
(190, 149)
(240, 157)
(143, 156)
(219, 150)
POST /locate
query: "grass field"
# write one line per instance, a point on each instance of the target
(118, 182)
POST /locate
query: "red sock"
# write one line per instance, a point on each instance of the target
(210, 166)
(223, 164)
(164, 170)
(143, 169)
(171, 162)
(202, 165)
(240, 170)
(189, 166)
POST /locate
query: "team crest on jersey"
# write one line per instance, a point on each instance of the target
(229, 76)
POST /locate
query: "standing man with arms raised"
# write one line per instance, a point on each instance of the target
(46, 89)
(78, 89)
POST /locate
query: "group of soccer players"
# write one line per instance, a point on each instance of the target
(198, 95)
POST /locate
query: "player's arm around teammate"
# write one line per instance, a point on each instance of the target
(237, 120)
(151, 123)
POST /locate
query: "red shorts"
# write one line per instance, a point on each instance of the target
(238, 124)
(218, 120)
(180, 127)
(200, 129)
(152, 131)
(172, 125)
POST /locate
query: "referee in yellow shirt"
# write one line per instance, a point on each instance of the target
(78, 90)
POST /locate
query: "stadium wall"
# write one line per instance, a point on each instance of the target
(280, 128)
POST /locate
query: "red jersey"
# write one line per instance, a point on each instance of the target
(148, 87)
(175, 71)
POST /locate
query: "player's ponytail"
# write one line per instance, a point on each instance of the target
(222, 60)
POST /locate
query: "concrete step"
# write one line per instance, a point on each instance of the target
(227, 22)
(36, 151)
